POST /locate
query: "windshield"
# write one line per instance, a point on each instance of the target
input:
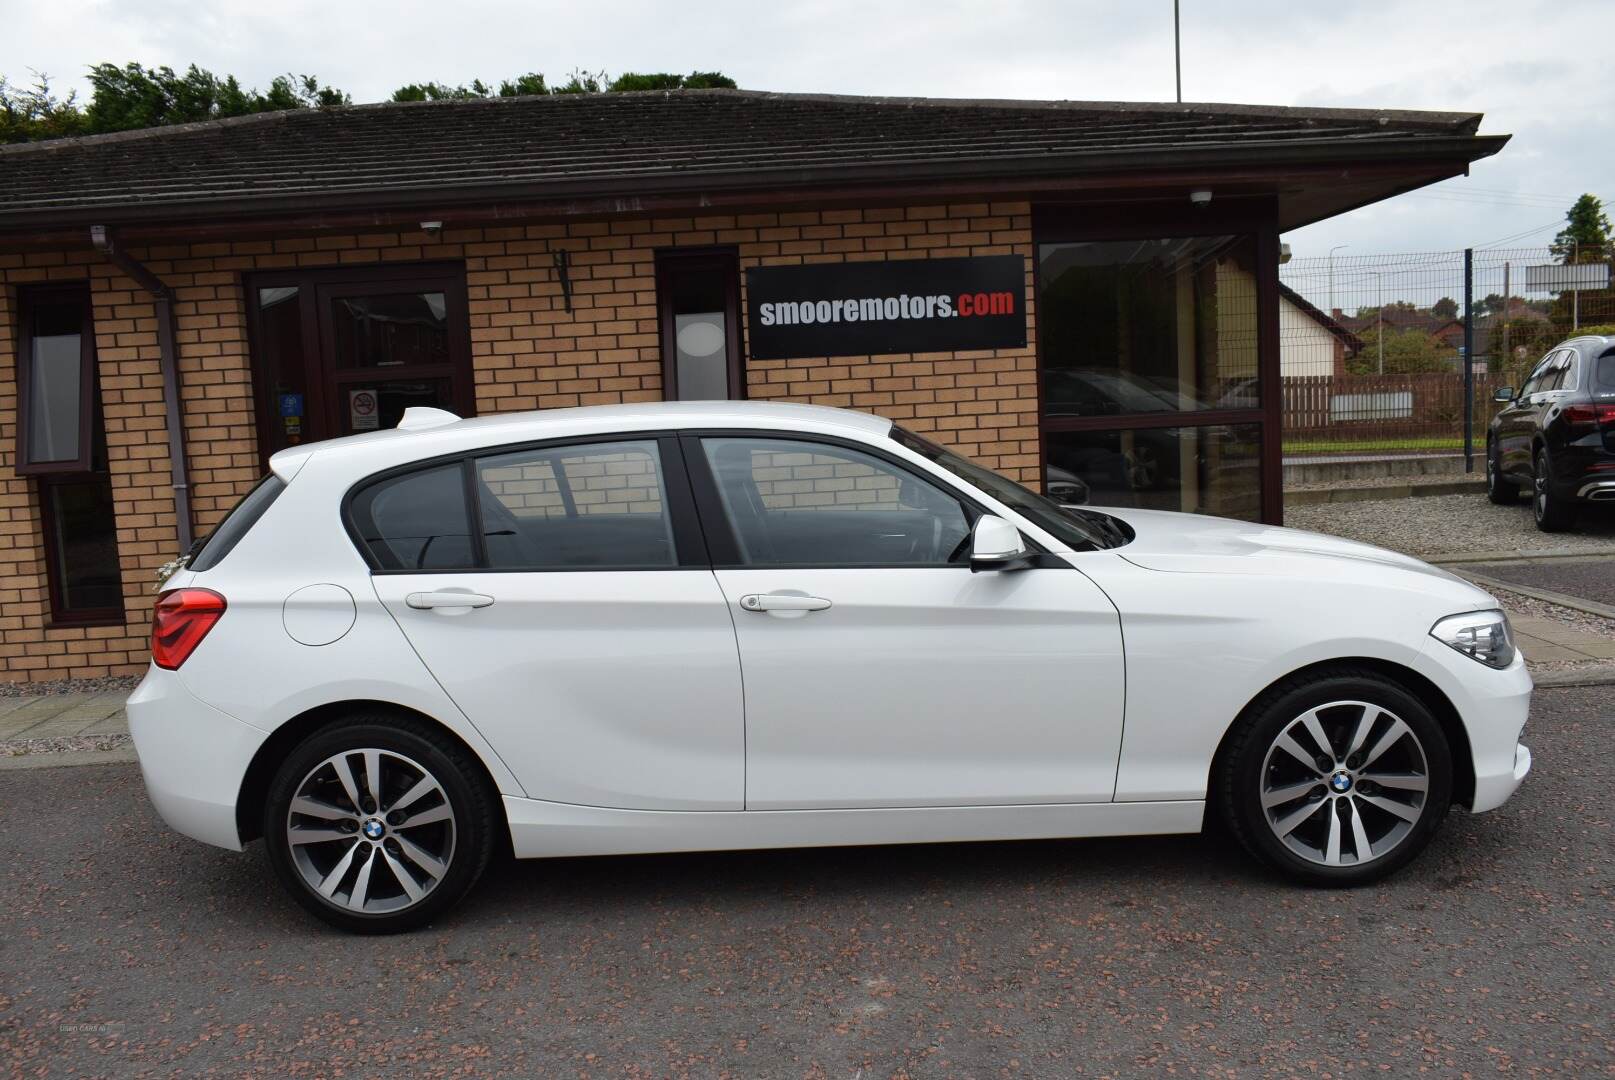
(1080, 530)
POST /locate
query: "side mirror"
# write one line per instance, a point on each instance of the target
(995, 544)
(1503, 395)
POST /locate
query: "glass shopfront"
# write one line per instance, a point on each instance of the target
(1150, 366)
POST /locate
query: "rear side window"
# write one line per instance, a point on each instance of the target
(236, 524)
(1605, 367)
(418, 521)
(601, 507)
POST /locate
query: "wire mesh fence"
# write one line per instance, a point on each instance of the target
(1373, 348)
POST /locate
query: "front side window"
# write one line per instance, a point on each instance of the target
(794, 503)
(601, 506)
(1074, 528)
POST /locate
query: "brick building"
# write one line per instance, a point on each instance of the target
(297, 276)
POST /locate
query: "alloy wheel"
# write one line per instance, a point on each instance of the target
(1344, 783)
(371, 831)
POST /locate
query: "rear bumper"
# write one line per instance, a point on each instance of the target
(192, 756)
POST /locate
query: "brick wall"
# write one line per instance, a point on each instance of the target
(527, 352)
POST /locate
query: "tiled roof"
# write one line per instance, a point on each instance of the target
(645, 143)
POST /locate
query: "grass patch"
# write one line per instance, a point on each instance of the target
(1370, 446)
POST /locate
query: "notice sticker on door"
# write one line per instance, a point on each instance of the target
(362, 412)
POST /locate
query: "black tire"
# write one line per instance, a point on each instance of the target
(1243, 767)
(465, 789)
(1499, 489)
(1553, 513)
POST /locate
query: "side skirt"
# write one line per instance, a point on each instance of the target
(547, 829)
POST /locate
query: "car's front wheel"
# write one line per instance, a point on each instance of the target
(1338, 778)
(378, 824)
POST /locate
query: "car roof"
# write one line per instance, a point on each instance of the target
(452, 435)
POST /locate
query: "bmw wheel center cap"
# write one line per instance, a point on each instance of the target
(374, 828)
(1340, 783)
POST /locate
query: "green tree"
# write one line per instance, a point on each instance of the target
(134, 96)
(1407, 352)
(1585, 237)
(35, 112)
(1445, 308)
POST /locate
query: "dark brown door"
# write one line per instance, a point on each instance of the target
(338, 352)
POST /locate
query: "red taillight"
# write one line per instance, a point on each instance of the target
(180, 621)
(1589, 415)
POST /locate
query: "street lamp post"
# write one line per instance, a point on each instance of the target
(1379, 315)
(1332, 251)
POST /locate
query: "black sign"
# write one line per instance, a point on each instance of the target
(901, 306)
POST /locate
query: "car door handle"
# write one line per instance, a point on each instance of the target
(782, 602)
(426, 601)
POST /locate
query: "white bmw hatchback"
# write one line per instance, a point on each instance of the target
(704, 626)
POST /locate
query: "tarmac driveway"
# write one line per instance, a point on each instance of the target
(126, 950)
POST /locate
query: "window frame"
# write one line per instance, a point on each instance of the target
(55, 576)
(27, 298)
(721, 258)
(689, 542)
(720, 531)
(1257, 216)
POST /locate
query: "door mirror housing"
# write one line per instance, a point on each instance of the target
(1503, 394)
(995, 544)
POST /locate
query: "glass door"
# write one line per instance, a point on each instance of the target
(338, 352)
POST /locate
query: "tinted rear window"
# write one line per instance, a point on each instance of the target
(236, 523)
(417, 521)
(1605, 367)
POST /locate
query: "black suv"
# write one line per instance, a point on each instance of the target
(1557, 434)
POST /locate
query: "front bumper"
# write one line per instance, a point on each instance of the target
(193, 758)
(1493, 706)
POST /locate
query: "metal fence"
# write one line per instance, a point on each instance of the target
(1400, 353)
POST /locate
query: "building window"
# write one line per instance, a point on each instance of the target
(56, 381)
(1150, 351)
(699, 297)
(62, 441)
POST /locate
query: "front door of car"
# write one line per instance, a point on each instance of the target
(881, 672)
(1517, 423)
(577, 623)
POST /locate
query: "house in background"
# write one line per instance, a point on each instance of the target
(1311, 342)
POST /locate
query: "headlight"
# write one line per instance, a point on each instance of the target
(1479, 635)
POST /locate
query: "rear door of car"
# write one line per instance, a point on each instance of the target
(561, 594)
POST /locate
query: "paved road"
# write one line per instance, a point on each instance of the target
(1589, 579)
(127, 951)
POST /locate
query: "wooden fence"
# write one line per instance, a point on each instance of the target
(1393, 409)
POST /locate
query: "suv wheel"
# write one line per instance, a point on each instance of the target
(1552, 512)
(1499, 489)
(378, 824)
(1337, 778)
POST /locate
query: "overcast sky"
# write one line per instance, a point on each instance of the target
(1537, 70)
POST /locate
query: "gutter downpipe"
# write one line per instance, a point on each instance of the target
(168, 361)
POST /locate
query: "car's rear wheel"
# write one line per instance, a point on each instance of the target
(1338, 778)
(378, 824)
(1553, 513)
(1499, 489)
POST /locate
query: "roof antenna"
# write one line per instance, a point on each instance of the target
(1177, 50)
